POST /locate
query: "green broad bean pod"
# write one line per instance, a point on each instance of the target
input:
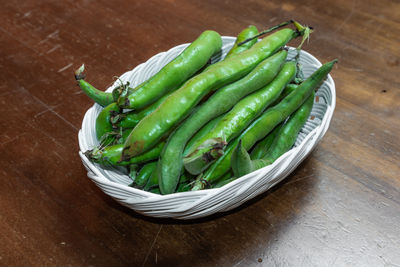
(131, 119)
(203, 131)
(259, 150)
(185, 178)
(193, 58)
(103, 124)
(243, 35)
(144, 175)
(117, 136)
(111, 155)
(237, 119)
(286, 137)
(152, 182)
(226, 179)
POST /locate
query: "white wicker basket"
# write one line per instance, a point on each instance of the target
(190, 205)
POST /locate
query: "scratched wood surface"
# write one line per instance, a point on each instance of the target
(341, 207)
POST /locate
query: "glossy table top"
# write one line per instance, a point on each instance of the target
(340, 207)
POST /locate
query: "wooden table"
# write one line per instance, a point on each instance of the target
(341, 207)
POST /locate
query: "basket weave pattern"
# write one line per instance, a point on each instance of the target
(190, 205)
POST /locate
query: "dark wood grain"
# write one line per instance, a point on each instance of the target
(340, 207)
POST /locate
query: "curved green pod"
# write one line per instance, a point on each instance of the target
(260, 149)
(152, 182)
(193, 58)
(226, 179)
(241, 162)
(132, 118)
(236, 120)
(111, 155)
(144, 174)
(243, 35)
(203, 131)
(103, 124)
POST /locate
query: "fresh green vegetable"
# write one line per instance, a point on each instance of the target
(193, 58)
(285, 139)
(131, 119)
(203, 131)
(262, 146)
(102, 98)
(190, 102)
(144, 174)
(111, 155)
(236, 120)
(132, 172)
(226, 179)
(243, 35)
(260, 149)
(264, 124)
(152, 182)
(103, 124)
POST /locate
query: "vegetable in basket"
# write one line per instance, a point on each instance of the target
(193, 58)
(171, 159)
(264, 125)
(154, 126)
(236, 120)
(243, 35)
(285, 139)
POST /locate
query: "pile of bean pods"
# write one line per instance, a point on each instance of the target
(196, 125)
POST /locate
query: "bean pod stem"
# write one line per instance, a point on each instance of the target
(102, 98)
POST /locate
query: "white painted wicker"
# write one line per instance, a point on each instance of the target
(190, 205)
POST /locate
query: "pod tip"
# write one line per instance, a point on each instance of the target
(333, 62)
(79, 75)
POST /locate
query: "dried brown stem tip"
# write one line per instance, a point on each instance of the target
(79, 75)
